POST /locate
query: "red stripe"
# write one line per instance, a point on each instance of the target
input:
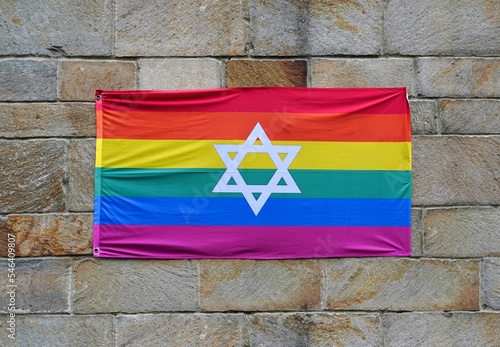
(191, 242)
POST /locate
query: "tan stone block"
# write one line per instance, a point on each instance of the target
(470, 116)
(78, 79)
(401, 284)
(33, 174)
(282, 73)
(490, 283)
(456, 170)
(250, 285)
(423, 117)
(47, 120)
(81, 175)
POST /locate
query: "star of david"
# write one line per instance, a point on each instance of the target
(282, 157)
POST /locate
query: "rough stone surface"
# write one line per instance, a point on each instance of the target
(462, 232)
(47, 120)
(49, 234)
(416, 232)
(456, 170)
(42, 286)
(79, 79)
(458, 77)
(315, 329)
(441, 329)
(282, 73)
(81, 175)
(105, 285)
(396, 72)
(470, 116)
(60, 331)
(313, 27)
(490, 277)
(249, 285)
(205, 330)
(32, 175)
(28, 80)
(181, 28)
(179, 73)
(401, 284)
(423, 117)
(57, 27)
(445, 27)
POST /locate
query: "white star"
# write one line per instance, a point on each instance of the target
(247, 190)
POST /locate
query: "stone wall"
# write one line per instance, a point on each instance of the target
(54, 54)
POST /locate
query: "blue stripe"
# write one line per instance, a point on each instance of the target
(235, 211)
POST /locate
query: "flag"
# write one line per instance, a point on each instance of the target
(260, 173)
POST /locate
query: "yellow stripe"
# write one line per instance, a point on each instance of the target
(202, 154)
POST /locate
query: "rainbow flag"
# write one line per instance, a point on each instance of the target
(261, 173)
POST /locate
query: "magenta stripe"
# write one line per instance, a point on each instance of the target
(249, 242)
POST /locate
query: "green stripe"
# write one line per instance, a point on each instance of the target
(200, 182)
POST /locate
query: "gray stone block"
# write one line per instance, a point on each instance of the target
(417, 231)
(81, 175)
(470, 116)
(309, 27)
(490, 282)
(423, 117)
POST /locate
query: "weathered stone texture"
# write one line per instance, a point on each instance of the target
(318, 329)
(314, 27)
(81, 175)
(47, 120)
(42, 286)
(423, 117)
(59, 331)
(401, 284)
(181, 28)
(490, 278)
(135, 286)
(470, 116)
(444, 27)
(179, 73)
(441, 329)
(416, 232)
(79, 79)
(28, 80)
(56, 27)
(50, 234)
(456, 170)
(205, 330)
(282, 73)
(395, 72)
(249, 285)
(462, 232)
(459, 77)
(32, 175)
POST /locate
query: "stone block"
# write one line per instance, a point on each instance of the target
(470, 116)
(33, 175)
(250, 285)
(81, 175)
(179, 73)
(490, 283)
(458, 77)
(42, 286)
(282, 73)
(443, 27)
(441, 329)
(24, 120)
(130, 286)
(394, 72)
(49, 234)
(423, 117)
(462, 232)
(456, 170)
(60, 331)
(181, 28)
(57, 28)
(205, 330)
(417, 231)
(310, 27)
(78, 79)
(393, 284)
(28, 80)
(314, 329)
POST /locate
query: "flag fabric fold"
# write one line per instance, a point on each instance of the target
(259, 173)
